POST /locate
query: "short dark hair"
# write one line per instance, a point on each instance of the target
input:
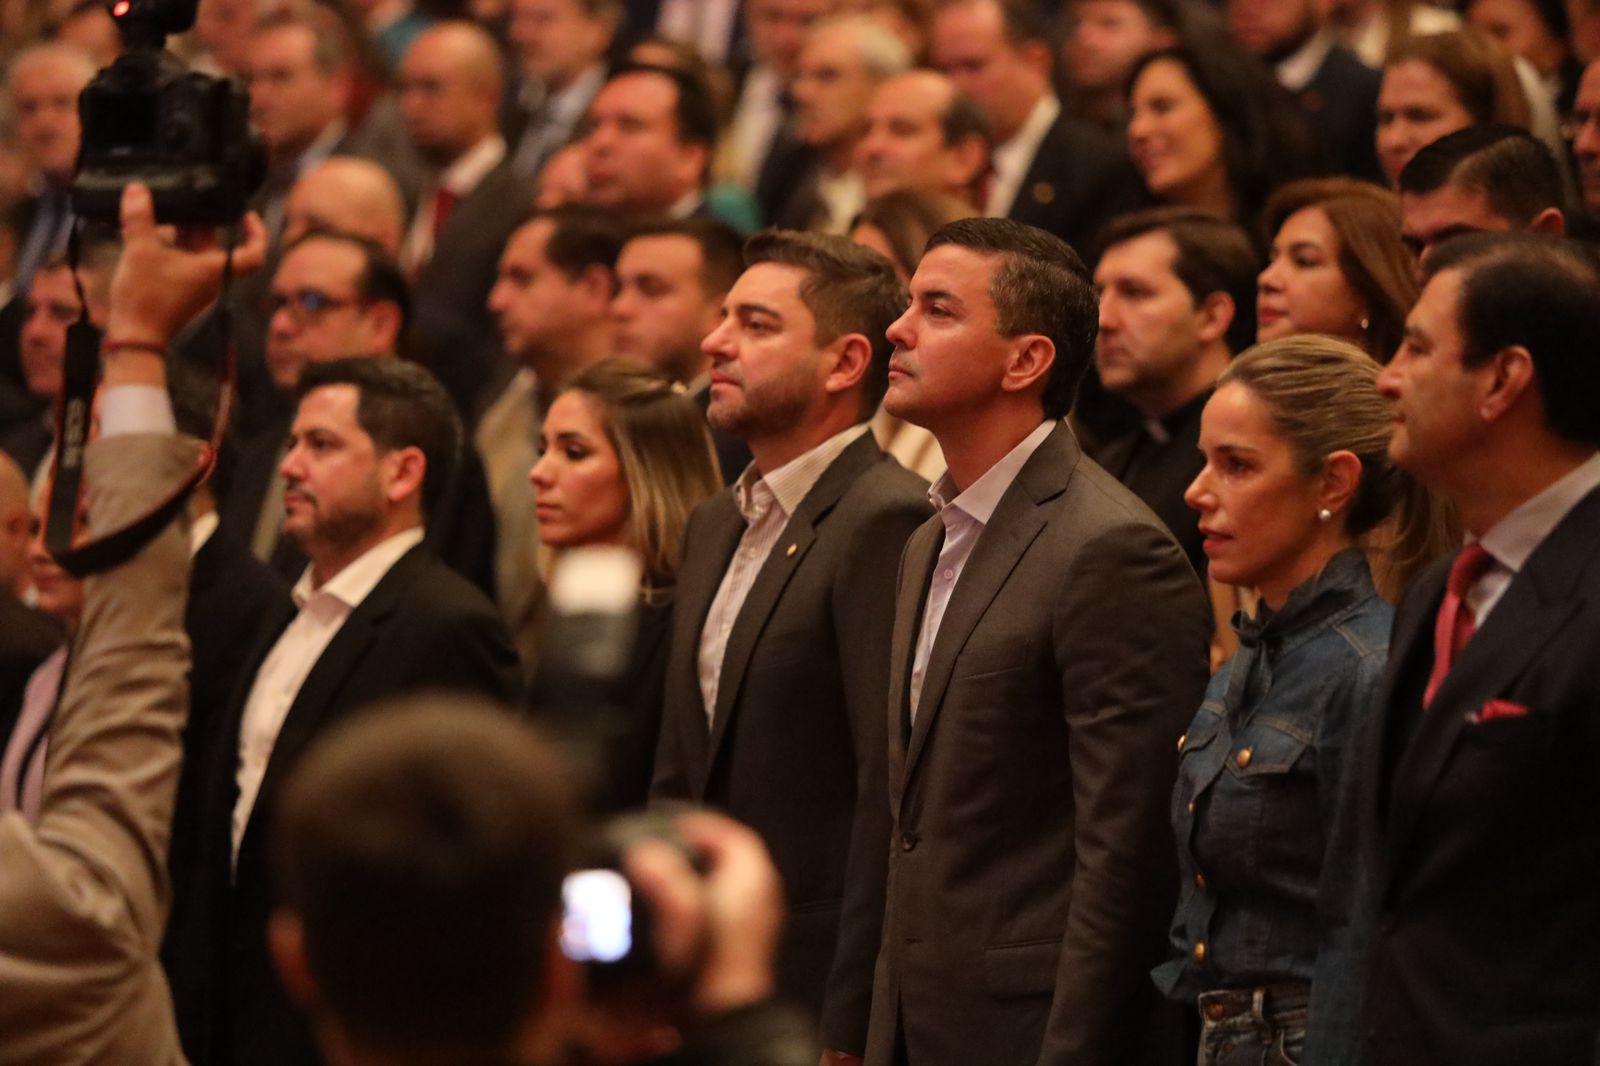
(381, 280)
(1539, 292)
(1021, 21)
(1516, 171)
(848, 289)
(694, 110)
(1214, 255)
(581, 238)
(721, 246)
(330, 44)
(401, 405)
(193, 391)
(1040, 285)
(965, 118)
(422, 845)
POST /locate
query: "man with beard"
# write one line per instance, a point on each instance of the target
(369, 453)
(777, 680)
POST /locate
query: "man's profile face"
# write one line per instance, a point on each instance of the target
(537, 307)
(1149, 323)
(444, 105)
(50, 306)
(635, 161)
(291, 100)
(949, 356)
(661, 310)
(1104, 40)
(766, 368)
(333, 474)
(1435, 397)
(316, 311)
(1429, 219)
(831, 89)
(1586, 136)
(970, 47)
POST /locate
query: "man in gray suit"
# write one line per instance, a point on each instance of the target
(778, 670)
(1049, 646)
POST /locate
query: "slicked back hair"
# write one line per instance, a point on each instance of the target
(721, 247)
(1516, 171)
(580, 238)
(1039, 285)
(1539, 292)
(848, 289)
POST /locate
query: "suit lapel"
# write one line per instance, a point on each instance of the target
(916, 570)
(1535, 605)
(1011, 529)
(785, 558)
(698, 583)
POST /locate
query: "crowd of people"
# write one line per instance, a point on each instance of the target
(1065, 450)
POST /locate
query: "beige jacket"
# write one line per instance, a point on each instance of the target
(83, 895)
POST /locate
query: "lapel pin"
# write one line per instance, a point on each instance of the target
(792, 549)
(1044, 192)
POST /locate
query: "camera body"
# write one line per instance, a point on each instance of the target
(149, 119)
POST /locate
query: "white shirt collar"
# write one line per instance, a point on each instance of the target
(687, 204)
(793, 480)
(357, 580)
(1297, 69)
(1515, 537)
(982, 496)
(472, 166)
(200, 531)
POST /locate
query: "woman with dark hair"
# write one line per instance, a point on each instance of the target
(1441, 83)
(1539, 31)
(1210, 128)
(624, 457)
(1336, 265)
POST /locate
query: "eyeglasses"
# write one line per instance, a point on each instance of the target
(304, 305)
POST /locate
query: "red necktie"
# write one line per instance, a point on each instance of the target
(1456, 622)
(443, 201)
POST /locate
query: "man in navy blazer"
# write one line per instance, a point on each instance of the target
(1475, 808)
(374, 614)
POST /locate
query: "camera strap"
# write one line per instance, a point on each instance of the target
(74, 417)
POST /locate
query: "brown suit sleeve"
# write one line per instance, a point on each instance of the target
(83, 894)
(1129, 637)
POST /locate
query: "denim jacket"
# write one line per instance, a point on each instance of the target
(1258, 783)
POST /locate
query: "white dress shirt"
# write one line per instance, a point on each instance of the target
(323, 612)
(965, 517)
(766, 502)
(1012, 159)
(1513, 539)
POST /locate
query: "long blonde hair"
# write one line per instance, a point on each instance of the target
(665, 451)
(1322, 396)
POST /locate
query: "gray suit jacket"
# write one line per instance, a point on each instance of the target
(1031, 869)
(83, 895)
(796, 748)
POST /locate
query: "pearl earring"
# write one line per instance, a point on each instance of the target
(1324, 514)
(1365, 323)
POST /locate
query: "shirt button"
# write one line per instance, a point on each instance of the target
(949, 575)
(1243, 758)
(1200, 952)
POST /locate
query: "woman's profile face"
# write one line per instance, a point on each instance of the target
(1303, 288)
(581, 495)
(1174, 136)
(1416, 106)
(1258, 508)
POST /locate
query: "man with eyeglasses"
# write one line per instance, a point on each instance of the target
(336, 295)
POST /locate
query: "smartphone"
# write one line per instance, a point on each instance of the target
(597, 925)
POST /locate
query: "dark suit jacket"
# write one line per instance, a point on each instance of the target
(1341, 101)
(1479, 837)
(1079, 178)
(27, 637)
(1032, 872)
(422, 627)
(796, 745)
(451, 331)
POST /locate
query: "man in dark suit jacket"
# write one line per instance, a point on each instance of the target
(778, 669)
(1034, 710)
(1051, 170)
(377, 615)
(473, 201)
(1474, 813)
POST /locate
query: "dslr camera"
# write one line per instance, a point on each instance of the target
(148, 118)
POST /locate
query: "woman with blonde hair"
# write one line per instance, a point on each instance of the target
(623, 458)
(1336, 265)
(1296, 483)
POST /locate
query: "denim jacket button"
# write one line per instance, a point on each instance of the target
(1191, 806)
(1200, 882)
(1243, 758)
(1200, 952)
(1182, 741)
